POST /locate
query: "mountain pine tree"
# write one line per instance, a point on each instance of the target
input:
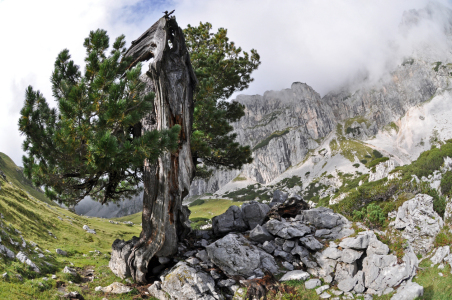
(221, 69)
(92, 143)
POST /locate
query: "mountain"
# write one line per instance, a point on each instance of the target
(298, 132)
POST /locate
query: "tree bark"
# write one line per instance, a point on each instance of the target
(166, 182)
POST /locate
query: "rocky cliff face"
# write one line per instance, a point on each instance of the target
(283, 126)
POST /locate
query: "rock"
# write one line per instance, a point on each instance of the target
(344, 271)
(22, 257)
(54, 277)
(231, 220)
(61, 252)
(235, 256)
(410, 291)
(268, 247)
(359, 287)
(279, 196)
(349, 256)
(440, 254)
(184, 282)
(116, 288)
(322, 217)
(287, 230)
(98, 289)
(296, 275)
(359, 243)
(254, 213)
(287, 265)
(324, 295)
(89, 230)
(202, 255)
(119, 255)
(382, 271)
(288, 245)
(312, 283)
(69, 270)
(419, 222)
(156, 291)
(5, 275)
(322, 289)
(332, 252)
(376, 247)
(260, 234)
(73, 295)
(347, 284)
(5, 251)
(226, 283)
(311, 243)
(301, 251)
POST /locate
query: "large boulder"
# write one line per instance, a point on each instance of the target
(234, 255)
(322, 217)
(184, 282)
(419, 222)
(287, 230)
(279, 196)
(383, 271)
(410, 291)
(231, 220)
(254, 213)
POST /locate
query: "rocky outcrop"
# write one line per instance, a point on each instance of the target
(418, 222)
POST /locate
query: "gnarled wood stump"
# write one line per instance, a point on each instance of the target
(166, 182)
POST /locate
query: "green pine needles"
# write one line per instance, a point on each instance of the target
(92, 144)
(221, 68)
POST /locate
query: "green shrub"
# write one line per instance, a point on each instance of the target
(363, 161)
(197, 202)
(444, 237)
(446, 183)
(356, 165)
(439, 205)
(367, 156)
(377, 161)
(377, 154)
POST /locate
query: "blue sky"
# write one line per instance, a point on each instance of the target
(324, 43)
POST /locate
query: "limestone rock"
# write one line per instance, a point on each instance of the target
(69, 270)
(419, 222)
(260, 234)
(5, 251)
(231, 220)
(116, 288)
(286, 230)
(61, 252)
(311, 243)
(89, 230)
(410, 291)
(279, 196)
(440, 254)
(184, 282)
(312, 283)
(234, 255)
(23, 258)
(254, 213)
(359, 243)
(295, 275)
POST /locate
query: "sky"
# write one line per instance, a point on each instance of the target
(324, 43)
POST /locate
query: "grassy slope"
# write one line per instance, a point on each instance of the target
(34, 219)
(15, 175)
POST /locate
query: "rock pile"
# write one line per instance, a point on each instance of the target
(304, 246)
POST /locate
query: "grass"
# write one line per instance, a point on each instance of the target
(15, 175)
(211, 208)
(239, 178)
(435, 287)
(135, 218)
(352, 148)
(34, 219)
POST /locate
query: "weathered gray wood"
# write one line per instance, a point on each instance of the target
(166, 182)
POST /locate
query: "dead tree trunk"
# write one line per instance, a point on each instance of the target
(167, 181)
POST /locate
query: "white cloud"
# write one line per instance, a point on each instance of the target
(321, 42)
